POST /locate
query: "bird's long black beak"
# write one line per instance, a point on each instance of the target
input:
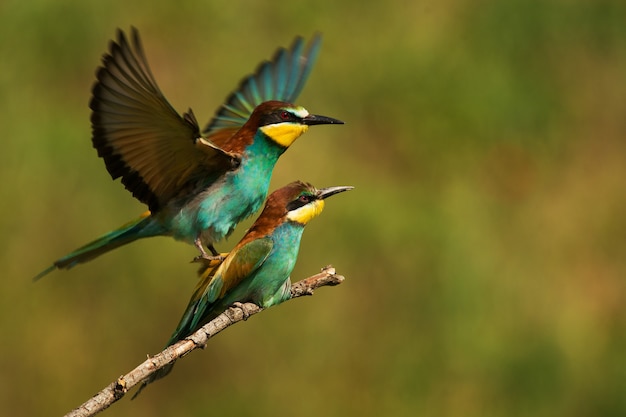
(316, 119)
(327, 192)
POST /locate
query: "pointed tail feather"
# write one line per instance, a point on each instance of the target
(127, 233)
(182, 331)
(179, 334)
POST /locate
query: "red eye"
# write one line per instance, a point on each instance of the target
(284, 115)
(304, 198)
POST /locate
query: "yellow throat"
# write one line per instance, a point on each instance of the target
(284, 134)
(305, 213)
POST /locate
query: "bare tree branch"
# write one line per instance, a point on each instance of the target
(199, 339)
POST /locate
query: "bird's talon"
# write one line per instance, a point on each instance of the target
(214, 252)
(243, 309)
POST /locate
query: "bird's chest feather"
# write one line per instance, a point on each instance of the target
(271, 284)
(214, 212)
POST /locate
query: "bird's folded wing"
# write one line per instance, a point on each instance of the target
(140, 136)
(241, 262)
(282, 78)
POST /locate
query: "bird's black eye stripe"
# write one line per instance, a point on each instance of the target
(279, 116)
(302, 200)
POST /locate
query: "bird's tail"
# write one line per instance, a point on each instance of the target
(129, 232)
(184, 328)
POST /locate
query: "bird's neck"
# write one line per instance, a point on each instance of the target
(286, 239)
(282, 259)
(289, 233)
(262, 154)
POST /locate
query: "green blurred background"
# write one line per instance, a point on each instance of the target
(484, 246)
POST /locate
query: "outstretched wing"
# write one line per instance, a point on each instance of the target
(280, 79)
(140, 136)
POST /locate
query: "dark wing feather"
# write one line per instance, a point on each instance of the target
(280, 79)
(140, 136)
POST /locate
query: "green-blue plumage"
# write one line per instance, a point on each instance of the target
(197, 188)
(257, 270)
(214, 211)
(267, 285)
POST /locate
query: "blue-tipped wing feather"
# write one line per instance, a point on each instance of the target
(281, 79)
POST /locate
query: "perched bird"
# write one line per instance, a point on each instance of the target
(197, 187)
(257, 269)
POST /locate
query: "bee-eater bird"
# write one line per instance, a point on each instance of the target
(257, 269)
(198, 187)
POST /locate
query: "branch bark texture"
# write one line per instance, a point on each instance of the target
(117, 389)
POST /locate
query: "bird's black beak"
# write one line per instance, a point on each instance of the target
(316, 119)
(327, 192)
